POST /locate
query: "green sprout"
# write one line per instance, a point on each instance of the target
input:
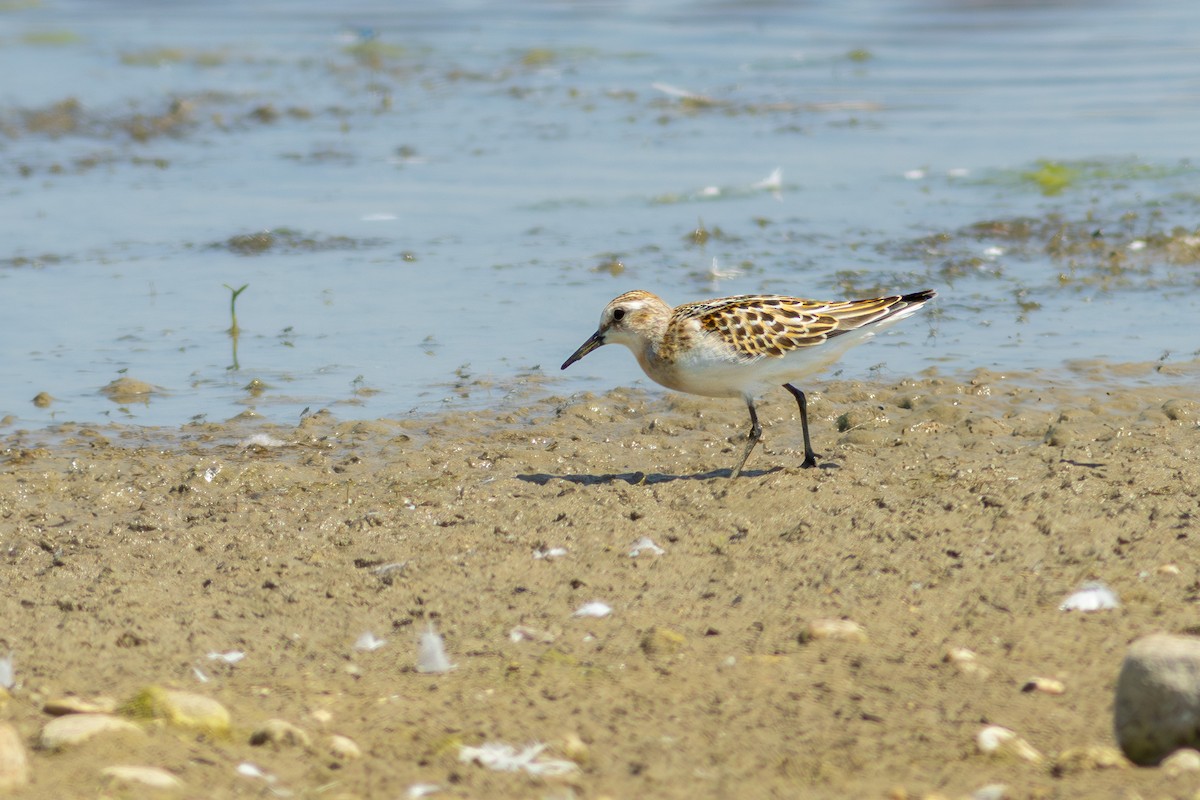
(234, 329)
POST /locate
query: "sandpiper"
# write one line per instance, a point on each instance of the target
(740, 346)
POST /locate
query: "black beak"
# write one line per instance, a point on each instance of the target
(591, 344)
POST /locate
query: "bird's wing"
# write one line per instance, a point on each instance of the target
(773, 325)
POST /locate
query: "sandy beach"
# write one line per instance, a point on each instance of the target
(945, 515)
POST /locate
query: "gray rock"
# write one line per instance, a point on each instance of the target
(1157, 707)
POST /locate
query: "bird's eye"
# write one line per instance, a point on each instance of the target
(618, 315)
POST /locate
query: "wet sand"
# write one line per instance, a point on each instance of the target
(945, 513)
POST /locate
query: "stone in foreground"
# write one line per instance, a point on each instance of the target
(182, 710)
(14, 764)
(1157, 705)
(75, 729)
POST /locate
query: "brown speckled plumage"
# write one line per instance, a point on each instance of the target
(773, 325)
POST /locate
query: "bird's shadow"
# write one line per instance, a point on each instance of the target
(643, 478)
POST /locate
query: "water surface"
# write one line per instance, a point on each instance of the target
(454, 192)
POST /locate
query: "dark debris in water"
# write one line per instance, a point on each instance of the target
(1088, 251)
(86, 163)
(322, 155)
(163, 56)
(34, 262)
(288, 240)
(375, 54)
(702, 234)
(126, 390)
(674, 102)
(69, 117)
(176, 116)
(611, 264)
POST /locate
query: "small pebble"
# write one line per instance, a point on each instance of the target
(575, 749)
(248, 770)
(75, 729)
(1044, 685)
(14, 764)
(967, 662)
(844, 630)
(993, 791)
(145, 777)
(343, 748)
(182, 710)
(1181, 761)
(70, 704)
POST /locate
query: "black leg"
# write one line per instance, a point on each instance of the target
(810, 458)
(752, 439)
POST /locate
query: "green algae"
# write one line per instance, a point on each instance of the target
(1053, 177)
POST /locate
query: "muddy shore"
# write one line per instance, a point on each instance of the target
(944, 514)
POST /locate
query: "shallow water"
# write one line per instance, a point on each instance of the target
(457, 191)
